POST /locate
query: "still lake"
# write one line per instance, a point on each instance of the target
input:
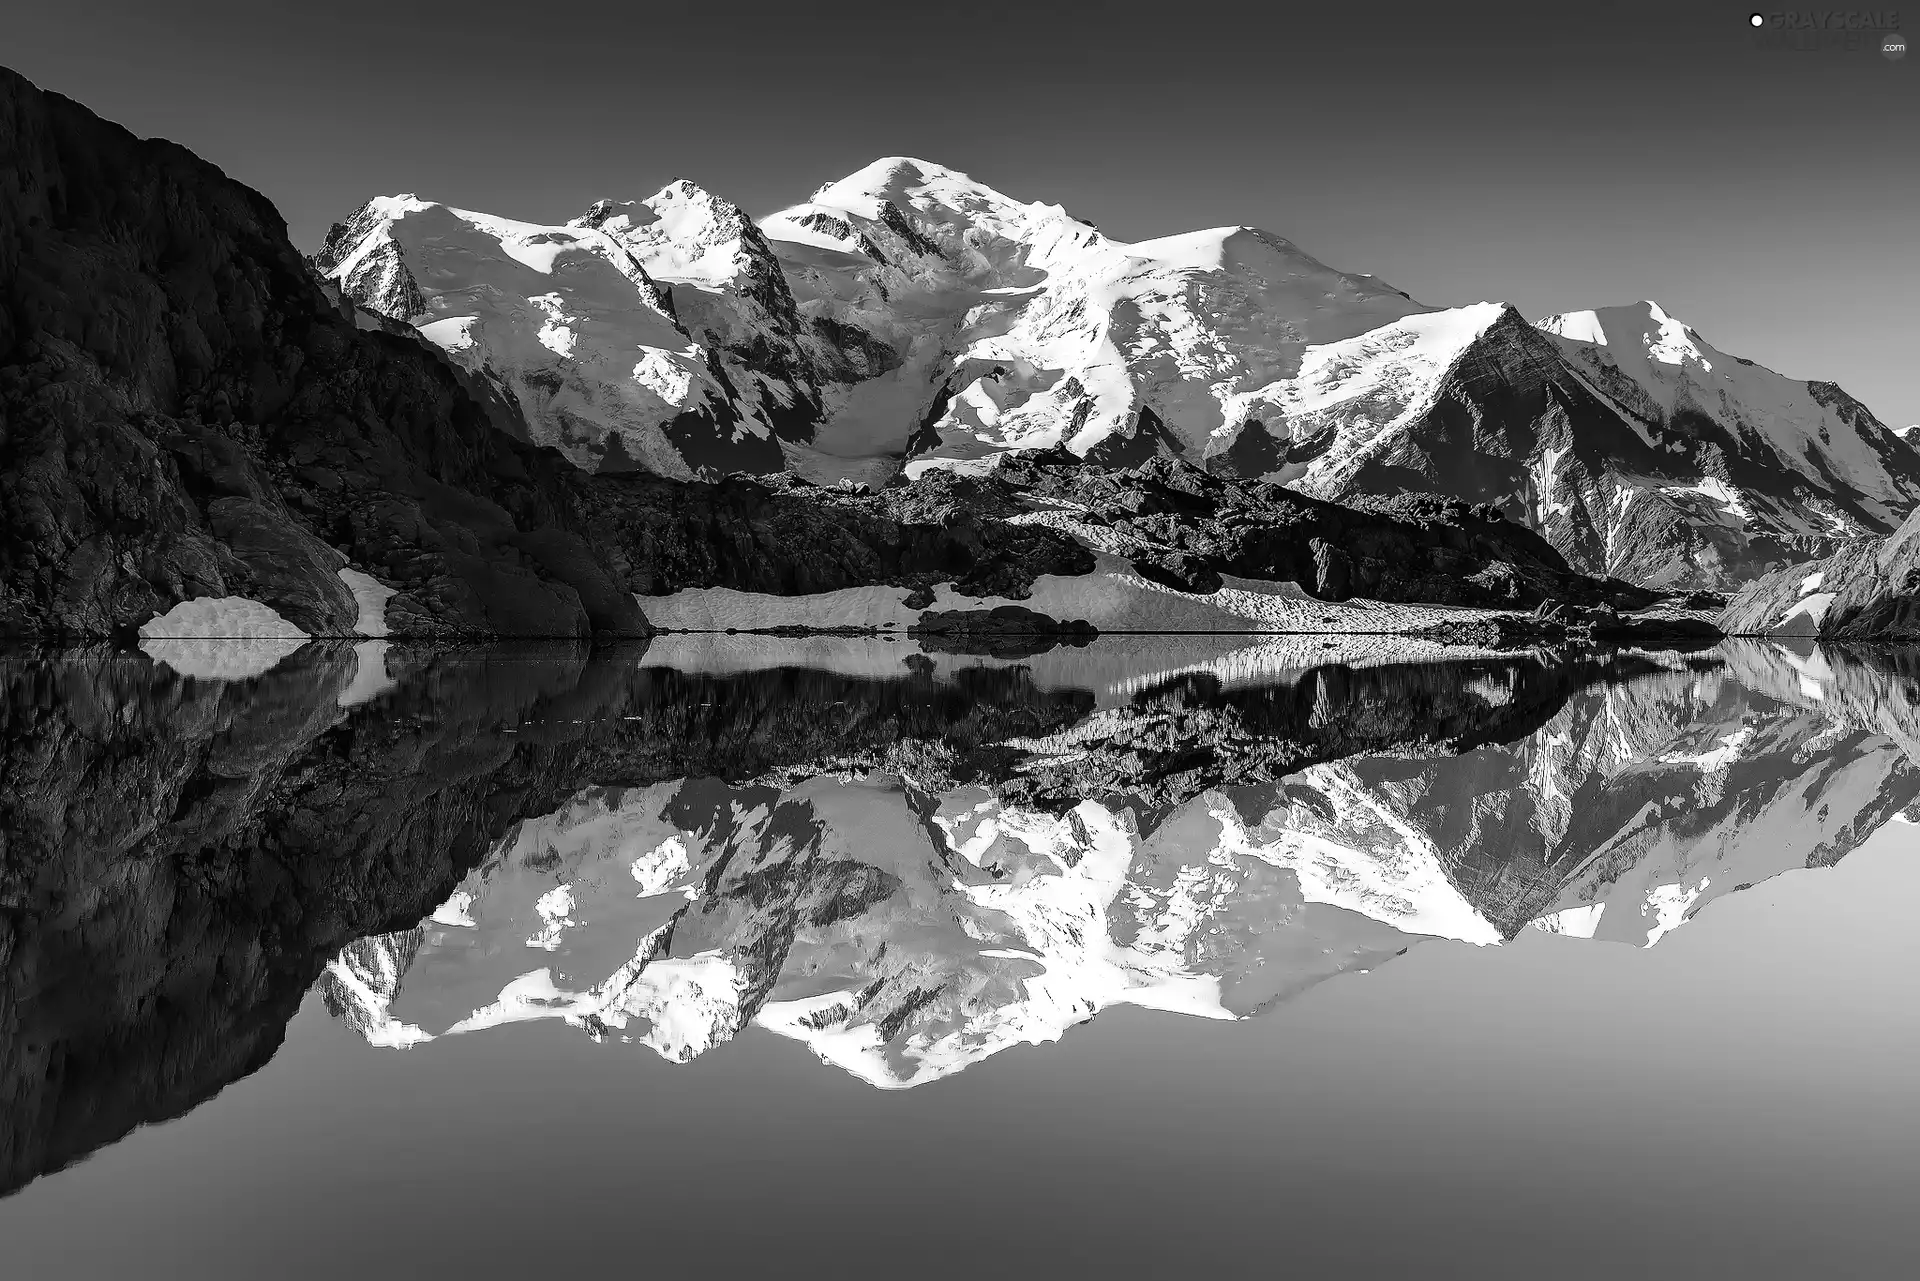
(1154, 955)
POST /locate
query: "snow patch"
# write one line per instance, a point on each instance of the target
(555, 908)
(1813, 608)
(657, 870)
(456, 911)
(370, 676)
(1574, 922)
(370, 595)
(1668, 905)
(220, 638)
(1113, 598)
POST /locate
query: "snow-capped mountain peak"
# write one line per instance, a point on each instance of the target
(935, 225)
(1785, 439)
(684, 234)
(906, 180)
(1027, 327)
(1640, 337)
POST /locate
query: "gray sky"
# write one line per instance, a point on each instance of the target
(1558, 157)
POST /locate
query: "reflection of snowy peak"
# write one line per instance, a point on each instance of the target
(1639, 803)
(905, 934)
(908, 315)
(902, 942)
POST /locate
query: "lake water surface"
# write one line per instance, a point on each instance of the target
(1159, 955)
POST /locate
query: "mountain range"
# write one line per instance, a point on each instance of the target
(908, 317)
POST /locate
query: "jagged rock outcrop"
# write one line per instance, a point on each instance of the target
(1185, 527)
(1169, 546)
(1867, 591)
(1005, 631)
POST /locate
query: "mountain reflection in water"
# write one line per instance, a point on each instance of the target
(906, 861)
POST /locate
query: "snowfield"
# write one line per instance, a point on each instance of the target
(1113, 598)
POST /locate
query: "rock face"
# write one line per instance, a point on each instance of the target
(1005, 631)
(1867, 591)
(908, 315)
(1780, 470)
(1164, 546)
(1185, 527)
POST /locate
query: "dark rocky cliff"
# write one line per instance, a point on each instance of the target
(184, 412)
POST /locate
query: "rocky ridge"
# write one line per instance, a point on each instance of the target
(1867, 591)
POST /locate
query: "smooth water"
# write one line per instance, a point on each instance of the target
(727, 954)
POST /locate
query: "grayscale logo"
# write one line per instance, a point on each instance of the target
(1894, 47)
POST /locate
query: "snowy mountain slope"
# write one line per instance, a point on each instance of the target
(1801, 462)
(909, 315)
(1233, 347)
(1029, 328)
(655, 333)
(1477, 404)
